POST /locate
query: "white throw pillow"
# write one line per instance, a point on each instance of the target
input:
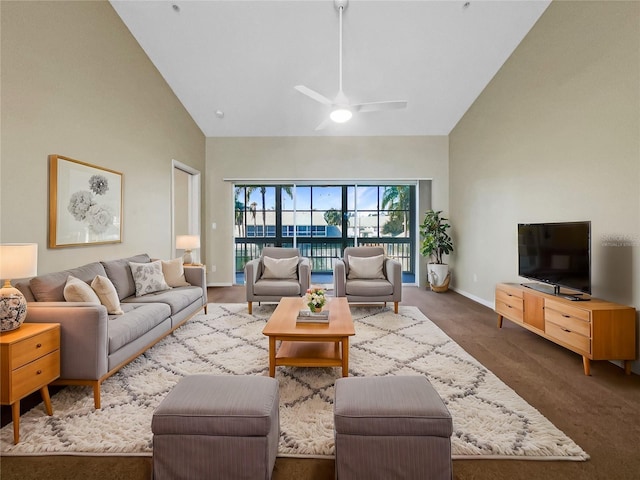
(148, 277)
(365, 267)
(76, 290)
(107, 294)
(280, 268)
(173, 272)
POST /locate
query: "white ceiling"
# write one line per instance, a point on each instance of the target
(244, 58)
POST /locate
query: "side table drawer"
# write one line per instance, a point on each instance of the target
(34, 375)
(34, 347)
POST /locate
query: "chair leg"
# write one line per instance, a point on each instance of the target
(250, 307)
(395, 307)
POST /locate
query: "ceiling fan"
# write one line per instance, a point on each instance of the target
(341, 109)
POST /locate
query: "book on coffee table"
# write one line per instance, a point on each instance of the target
(307, 316)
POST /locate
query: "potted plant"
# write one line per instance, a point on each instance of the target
(436, 242)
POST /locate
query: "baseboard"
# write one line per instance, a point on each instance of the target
(475, 298)
(220, 284)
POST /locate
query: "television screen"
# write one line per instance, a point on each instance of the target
(556, 253)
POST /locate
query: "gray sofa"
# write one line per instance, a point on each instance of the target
(94, 344)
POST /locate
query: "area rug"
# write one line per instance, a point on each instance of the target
(490, 420)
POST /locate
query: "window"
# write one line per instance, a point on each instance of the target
(321, 220)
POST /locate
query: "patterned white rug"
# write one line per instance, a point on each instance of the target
(490, 420)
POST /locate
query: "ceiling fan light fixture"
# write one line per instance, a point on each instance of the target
(341, 115)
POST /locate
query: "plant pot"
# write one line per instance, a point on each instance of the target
(438, 275)
(315, 309)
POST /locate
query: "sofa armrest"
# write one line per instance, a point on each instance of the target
(304, 274)
(197, 276)
(84, 338)
(339, 278)
(394, 275)
(251, 275)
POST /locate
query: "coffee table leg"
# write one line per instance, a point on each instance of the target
(272, 356)
(345, 356)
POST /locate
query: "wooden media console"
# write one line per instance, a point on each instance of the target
(595, 329)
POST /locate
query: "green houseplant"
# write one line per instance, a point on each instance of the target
(436, 242)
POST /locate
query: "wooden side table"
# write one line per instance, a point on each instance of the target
(29, 361)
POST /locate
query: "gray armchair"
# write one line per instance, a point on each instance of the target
(275, 275)
(370, 278)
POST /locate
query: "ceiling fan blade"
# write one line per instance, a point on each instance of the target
(313, 94)
(324, 124)
(379, 106)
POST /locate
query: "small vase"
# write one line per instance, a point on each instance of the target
(315, 309)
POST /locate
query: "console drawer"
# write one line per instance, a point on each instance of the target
(506, 297)
(570, 310)
(568, 322)
(510, 311)
(574, 340)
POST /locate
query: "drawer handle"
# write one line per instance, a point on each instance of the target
(565, 330)
(38, 372)
(39, 345)
(566, 316)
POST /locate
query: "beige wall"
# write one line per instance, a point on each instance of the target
(554, 137)
(311, 158)
(76, 83)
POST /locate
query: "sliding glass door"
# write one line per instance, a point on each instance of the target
(321, 220)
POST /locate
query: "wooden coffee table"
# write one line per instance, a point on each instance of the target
(309, 344)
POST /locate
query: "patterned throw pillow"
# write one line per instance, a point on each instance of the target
(148, 277)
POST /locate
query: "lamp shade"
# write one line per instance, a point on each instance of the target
(18, 260)
(187, 242)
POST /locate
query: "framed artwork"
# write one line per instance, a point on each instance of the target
(85, 203)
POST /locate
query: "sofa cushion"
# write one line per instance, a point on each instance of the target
(75, 290)
(50, 286)
(107, 294)
(173, 271)
(137, 320)
(369, 288)
(280, 268)
(366, 267)
(177, 298)
(275, 288)
(148, 277)
(119, 272)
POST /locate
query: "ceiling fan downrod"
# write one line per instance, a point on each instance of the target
(342, 113)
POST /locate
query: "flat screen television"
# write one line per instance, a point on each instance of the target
(558, 254)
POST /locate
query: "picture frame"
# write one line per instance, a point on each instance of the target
(85, 203)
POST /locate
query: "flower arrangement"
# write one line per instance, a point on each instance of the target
(316, 299)
(84, 208)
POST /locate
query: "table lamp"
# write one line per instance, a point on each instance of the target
(17, 260)
(187, 243)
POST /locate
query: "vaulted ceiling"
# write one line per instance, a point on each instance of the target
(234, 63)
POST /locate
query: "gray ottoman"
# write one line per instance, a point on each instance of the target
(217, 427)
(391, 427)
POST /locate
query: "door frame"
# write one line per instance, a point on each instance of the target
(193, 201)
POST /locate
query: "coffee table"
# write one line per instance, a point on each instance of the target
(309, 344)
